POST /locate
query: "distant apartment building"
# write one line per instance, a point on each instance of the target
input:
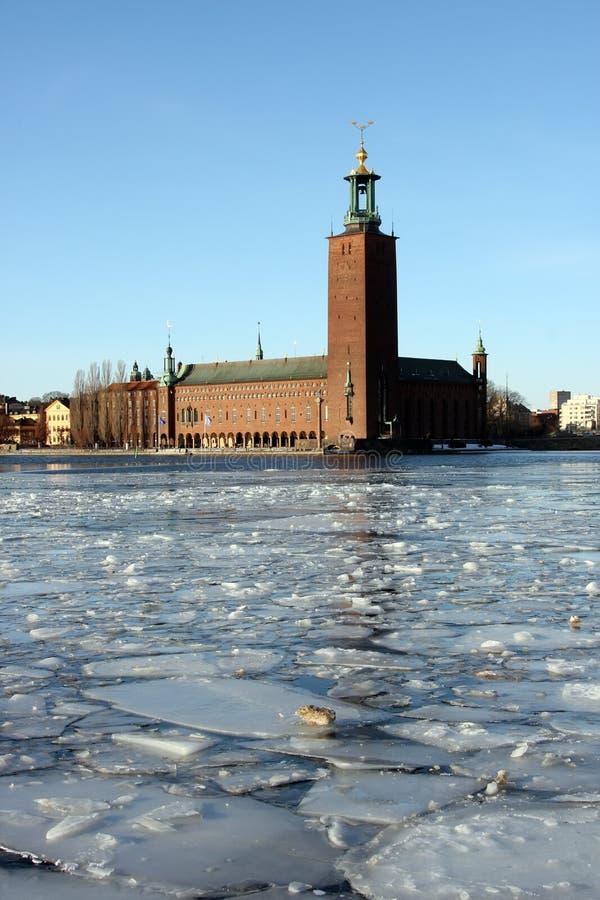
(580, 413)
(557, 398)
(58, 423)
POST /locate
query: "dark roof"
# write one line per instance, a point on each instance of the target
(447, 370)
(292, 368)
(133, 385)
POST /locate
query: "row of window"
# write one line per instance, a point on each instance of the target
(260, 395)
(264, 386)
(190, 416)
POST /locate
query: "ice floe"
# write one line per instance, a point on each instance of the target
(107, 828)
(384, 797)
(474, 852)
(226, 705)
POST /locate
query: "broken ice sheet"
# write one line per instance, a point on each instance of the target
(384, 797)
(12, 761)
(550, 766)
(226, 705)
(582, 724)
(357, 659)
(245, 780)
(490, 639)
(350, 753)
(448, 712)
(525, 697)
(465, 736)
(174, 747)
(114, 829)
(419, 640)
(34, 882)
(476, 851)
(198, 663)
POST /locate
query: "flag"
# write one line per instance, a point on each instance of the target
(162, 421)
(207, 419)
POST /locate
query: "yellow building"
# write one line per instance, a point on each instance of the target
(58, 423)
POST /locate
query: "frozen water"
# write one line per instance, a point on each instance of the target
(477, 851)
(232, 662)
(157, 838)
(231, 706)
(368, 753)
(163, 619)
(383, 797)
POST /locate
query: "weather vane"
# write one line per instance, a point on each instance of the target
(362, 128)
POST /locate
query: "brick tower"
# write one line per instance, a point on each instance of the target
(480, 379)
(362, 363)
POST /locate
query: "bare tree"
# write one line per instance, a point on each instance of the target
(120, 372)
(49, 396)
(117, 404)
(92, 388)
(7, 428)
(104, 423)
(99, 406)
(77, 408)
(507, 412)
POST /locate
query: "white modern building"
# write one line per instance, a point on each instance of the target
(580, 413)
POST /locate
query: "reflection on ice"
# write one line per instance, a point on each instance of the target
(162, 624)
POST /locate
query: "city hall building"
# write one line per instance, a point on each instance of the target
(360, 394)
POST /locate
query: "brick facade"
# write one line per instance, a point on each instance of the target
(360, 391)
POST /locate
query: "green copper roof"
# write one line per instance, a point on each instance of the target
(443, 370)
(291, 367)
(479, 348)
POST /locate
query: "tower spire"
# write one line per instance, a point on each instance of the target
(362, 214)
(479, 348)
(259, 349)
(168, 376)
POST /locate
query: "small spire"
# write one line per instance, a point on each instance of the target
(168, 376)
(259, 349)
(348, 386)
(479, 348)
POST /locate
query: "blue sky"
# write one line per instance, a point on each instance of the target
(183, 160)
